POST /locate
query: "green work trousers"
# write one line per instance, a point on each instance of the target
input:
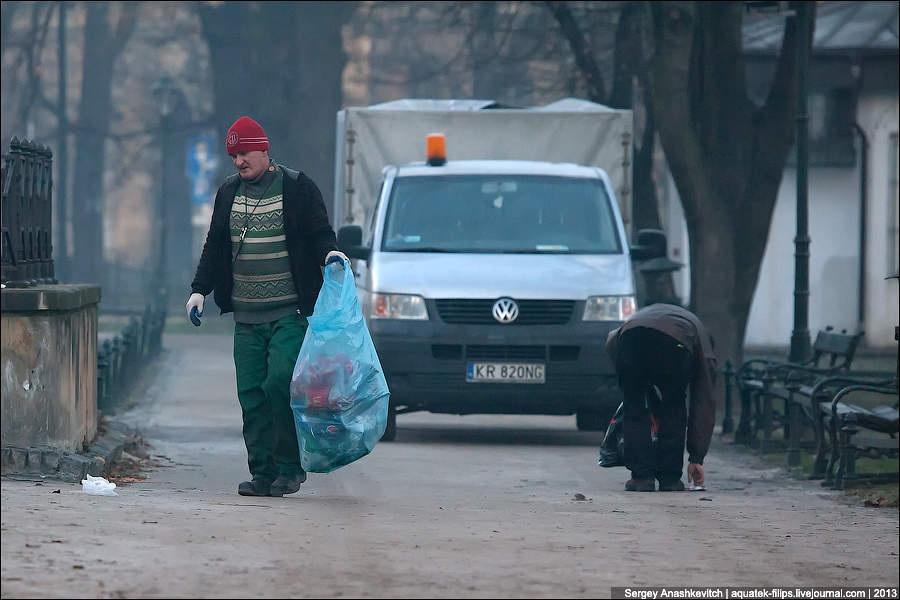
(264, 358)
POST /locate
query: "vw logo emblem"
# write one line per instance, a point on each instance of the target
(505, 310)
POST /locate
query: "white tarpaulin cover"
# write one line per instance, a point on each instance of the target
(394, 133)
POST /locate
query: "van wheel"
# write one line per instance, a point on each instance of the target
(591, 419)
(390, 432)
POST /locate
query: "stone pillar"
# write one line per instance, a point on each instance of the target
(49, 366)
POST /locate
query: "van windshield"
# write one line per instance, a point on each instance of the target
(500, 213)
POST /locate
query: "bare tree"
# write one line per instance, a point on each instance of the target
(284, 70)
(106, 33)
(630, 70)
(7, 13)
(726, 154)
(631, 88)
(488, 50)
(26, 94)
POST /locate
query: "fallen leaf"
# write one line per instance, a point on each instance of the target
(580, 497)
(77, 566)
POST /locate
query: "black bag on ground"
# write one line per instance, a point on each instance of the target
(612, 448)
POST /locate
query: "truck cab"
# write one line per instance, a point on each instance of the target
(490, 286)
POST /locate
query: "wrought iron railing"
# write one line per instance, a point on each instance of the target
(26, 255)
(121, 360)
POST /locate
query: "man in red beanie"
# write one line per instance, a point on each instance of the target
(262, 259)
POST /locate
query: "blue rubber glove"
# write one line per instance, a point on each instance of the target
(335, 256)
(194, 307)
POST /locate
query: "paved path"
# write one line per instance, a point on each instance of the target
(477, 506)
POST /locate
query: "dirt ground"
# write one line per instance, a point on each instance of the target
(476, 506)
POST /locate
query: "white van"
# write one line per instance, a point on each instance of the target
(489, 286)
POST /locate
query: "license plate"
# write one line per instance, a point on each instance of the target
(494, 372)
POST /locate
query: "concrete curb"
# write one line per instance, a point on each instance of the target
(41, 463)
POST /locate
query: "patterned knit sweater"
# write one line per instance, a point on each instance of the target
(263, 286)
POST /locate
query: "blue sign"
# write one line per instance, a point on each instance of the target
(201, 167)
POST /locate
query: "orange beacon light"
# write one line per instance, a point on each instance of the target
(436, 149)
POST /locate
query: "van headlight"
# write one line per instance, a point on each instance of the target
(397, 306)
(608, 308)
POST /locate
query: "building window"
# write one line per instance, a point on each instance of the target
(830, 127)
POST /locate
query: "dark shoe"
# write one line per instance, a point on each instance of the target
(671, 486)
(256, 487)
(640, 485)
(286, 484)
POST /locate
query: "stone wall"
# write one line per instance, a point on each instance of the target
(49, 366)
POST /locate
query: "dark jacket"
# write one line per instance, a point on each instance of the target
(308, 235)
(686, 328)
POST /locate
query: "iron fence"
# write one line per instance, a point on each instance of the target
(121, 360)
(26, 256)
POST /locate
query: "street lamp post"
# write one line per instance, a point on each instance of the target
(166, 94)
(800, 344)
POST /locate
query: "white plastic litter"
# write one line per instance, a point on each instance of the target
(98, 486)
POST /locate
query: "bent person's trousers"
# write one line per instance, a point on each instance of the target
(648, 359)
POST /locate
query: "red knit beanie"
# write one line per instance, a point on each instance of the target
(245, 135)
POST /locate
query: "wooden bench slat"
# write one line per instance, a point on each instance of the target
(880, 443)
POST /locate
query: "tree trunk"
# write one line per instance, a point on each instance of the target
(90, 158)
(285, 72)
(320, 91)
(726, 156)
(102, 44)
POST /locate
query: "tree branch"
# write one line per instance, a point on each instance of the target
(33, 58)
(121, 33)
(674, 24)
(584, 57)
(777, 113)
(7, 14)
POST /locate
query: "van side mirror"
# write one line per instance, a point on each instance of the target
(651, 243)
(349, 240)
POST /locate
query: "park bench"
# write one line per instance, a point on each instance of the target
(854, 432)
(837, 421)
(762, 383)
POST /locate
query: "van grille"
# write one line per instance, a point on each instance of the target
(502, 352)
(531, 312)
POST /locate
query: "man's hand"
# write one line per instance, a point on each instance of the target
(695, 474)
(338, 254)
(195, 301)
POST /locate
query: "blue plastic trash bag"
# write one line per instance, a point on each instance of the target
(339, 396)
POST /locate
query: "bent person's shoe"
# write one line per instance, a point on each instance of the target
(640, 485)
(286, 484)
(671, 486)
(255, 487)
